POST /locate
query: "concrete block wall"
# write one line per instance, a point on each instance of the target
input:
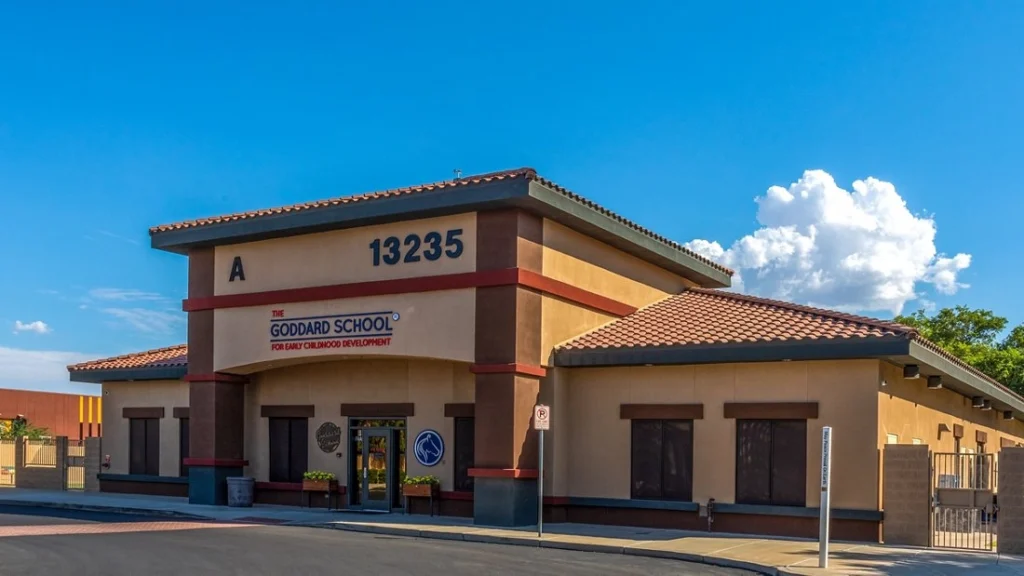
(41, 477)
(93, 461)
(906, 495)
(1011, 501)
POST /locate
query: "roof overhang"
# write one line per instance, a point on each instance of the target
(734, 353)
(129, 374)
(898, 350)
(521, 193)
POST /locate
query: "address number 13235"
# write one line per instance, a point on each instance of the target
(430, 246)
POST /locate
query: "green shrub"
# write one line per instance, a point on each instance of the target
(432, 480)
(318, 475)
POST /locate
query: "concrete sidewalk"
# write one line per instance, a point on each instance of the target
(765, 555)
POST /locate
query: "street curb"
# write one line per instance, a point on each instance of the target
(97, 508)
(554, 544)
(438, 535)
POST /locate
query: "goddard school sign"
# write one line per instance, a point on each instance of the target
(359, 330)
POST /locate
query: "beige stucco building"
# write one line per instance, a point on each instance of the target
(411, 332)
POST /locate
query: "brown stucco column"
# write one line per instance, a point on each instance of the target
(906, 495)
(508, 372)
(216, 401)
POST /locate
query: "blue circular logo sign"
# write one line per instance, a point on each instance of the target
(428, 448)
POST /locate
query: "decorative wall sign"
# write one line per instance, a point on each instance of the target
(328, 437)
(428, 448)
(359, 330)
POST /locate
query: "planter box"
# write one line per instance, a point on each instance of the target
(420, 490)
(319, 485)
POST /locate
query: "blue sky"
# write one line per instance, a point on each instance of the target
(116, 117)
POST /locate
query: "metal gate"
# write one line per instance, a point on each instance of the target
(7, 448)
(963, 501)
(74, 472)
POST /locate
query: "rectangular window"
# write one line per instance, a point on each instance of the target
(465, 435)
(289, 445)
(144, 446)
(892, 439)
(183, 440)
(916, 441)
(662, 460)
(771, 462)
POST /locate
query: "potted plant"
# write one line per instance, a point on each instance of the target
(421, 486)
(318, 481)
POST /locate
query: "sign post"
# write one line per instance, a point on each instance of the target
(826, 495)
(541, 422)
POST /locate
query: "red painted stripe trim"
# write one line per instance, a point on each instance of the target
(217, 462)
(482, 279)
(574, 294)
(290, 487)
(354, 290)
(503, 472)
(215, 378)
(527, 369)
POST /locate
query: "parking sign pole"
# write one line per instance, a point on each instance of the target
(540, 484)
(826, 495)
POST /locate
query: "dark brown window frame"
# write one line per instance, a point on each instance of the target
(771, 410)
(690, 463)
(661, 411)
(771, 449)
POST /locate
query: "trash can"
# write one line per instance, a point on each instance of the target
(240, 492)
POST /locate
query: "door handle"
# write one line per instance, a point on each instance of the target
(364, 473)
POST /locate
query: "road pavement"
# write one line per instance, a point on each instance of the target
(37, 541)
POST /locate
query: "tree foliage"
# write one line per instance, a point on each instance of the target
(20, 428)
(973, 335)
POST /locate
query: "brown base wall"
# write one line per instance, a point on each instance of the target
(285, 495)
(150, 488)
(442, 507)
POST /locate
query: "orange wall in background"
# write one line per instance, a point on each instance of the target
(59, 413)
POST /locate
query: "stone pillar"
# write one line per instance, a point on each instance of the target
(906, 495)
(1010, 499)
(216, 401)
(93, 463)
(508, 372)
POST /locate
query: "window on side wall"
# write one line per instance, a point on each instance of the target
(144, 446)
(662, 460)
(289, 449)
(465, 435)
(771, 462)
(892, 439)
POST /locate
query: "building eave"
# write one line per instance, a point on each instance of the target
(967, 381)
(129, 374)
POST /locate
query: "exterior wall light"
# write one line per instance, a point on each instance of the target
(934, 382)
(987, 405)
(977, 402)
(1007, 414)
(911, 371)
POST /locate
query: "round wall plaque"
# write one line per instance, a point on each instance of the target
(328, 437)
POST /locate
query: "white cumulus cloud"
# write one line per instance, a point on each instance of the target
(39, 327)
(856, 250)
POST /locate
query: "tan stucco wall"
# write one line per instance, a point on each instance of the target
(427, 384)
(340, 257)
(437, 325)
(166, 394)
(599, 453)
(908, 409)
(562, 321)
(589, 264)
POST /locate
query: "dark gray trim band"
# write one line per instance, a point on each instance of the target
(975, 383)
(798, 512)
(565, 210)
(129, 374)
(420, 205)
(725, 353)
(635, 504)
(143, 478)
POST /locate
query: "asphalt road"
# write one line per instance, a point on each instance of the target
(44, 542)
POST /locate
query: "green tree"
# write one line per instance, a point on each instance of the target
(973, 336)
(20, 427)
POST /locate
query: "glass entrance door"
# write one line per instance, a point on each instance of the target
(377, 464)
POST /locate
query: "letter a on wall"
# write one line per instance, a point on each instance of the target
(236, 270)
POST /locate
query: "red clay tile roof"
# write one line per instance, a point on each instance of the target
(703, 316)
(159, 358)
(463, 182)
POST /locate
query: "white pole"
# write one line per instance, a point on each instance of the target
(826, 495)
(540, 485)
